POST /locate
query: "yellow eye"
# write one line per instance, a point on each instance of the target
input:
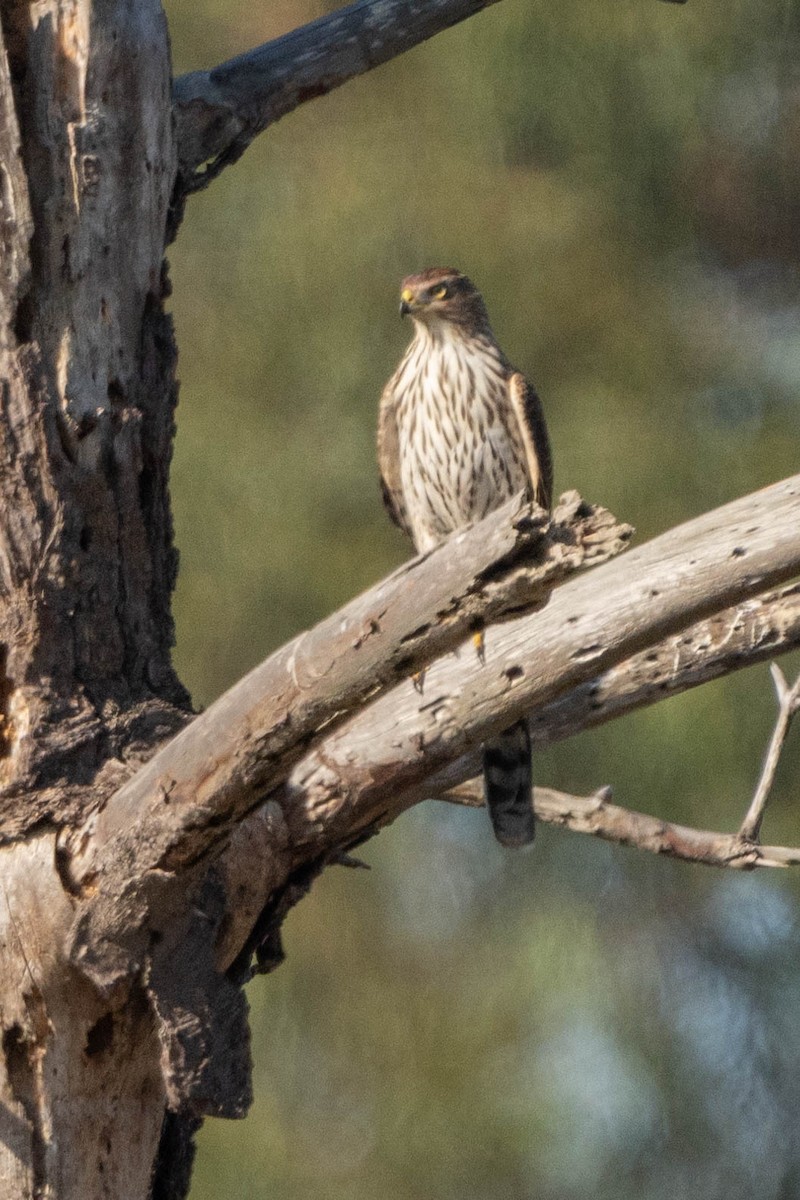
(440, 293)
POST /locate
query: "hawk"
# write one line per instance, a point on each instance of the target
(460, 431)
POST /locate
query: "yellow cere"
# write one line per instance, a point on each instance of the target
(407, 295)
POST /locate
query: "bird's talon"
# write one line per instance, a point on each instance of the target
(418, 680)
(479, 642)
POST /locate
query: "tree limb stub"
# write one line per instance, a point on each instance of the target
(219, 112)
(377, 763)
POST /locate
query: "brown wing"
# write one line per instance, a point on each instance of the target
(528, 410)
(389, 460)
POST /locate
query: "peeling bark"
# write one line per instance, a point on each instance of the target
(87, 392)
(87, 367)
(81, 1090)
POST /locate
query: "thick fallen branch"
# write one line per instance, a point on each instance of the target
(377, 763)
(219, 112)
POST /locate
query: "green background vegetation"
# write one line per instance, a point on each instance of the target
(622, 182)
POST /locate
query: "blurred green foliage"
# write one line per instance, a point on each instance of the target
(622, 182)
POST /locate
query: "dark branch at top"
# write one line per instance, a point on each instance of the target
(219, 112)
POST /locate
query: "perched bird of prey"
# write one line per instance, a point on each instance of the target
(460, 432)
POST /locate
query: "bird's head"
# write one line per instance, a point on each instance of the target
(442, 296)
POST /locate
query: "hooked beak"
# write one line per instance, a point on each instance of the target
(406, 301)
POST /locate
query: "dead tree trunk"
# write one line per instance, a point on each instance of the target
(87, 564)
(134, 896)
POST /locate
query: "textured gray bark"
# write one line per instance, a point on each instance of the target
(87, 390)
(86, 557)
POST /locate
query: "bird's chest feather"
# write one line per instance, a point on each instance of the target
(461, 454)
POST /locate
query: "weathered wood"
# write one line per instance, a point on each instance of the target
(87, 391)
(383, 759)
(87, 369)
(183, 803)
(746, 634)
(81, 1092)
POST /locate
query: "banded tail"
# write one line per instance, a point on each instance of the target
(508, 787)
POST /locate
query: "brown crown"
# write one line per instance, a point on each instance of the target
(463, 305)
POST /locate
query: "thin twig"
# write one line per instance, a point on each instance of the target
(788, 703)
(595, 815)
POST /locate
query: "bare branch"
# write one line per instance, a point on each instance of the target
(595, 815)
(739, 637)
(742, 636)
(788, 703)
(219, 112)
(424, 609)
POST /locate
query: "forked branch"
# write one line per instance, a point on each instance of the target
(788, 704)
(746, 634)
